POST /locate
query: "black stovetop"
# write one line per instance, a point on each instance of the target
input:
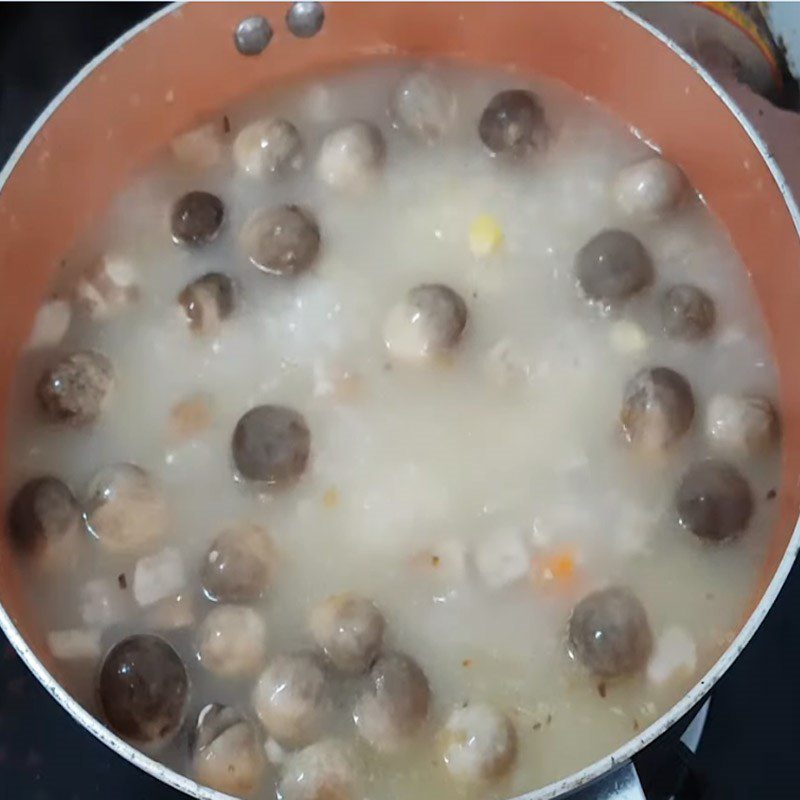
(750, 747)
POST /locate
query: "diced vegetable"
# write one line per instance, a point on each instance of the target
(158, 576)
(675, 653)
(50, 324)
(199, 148)
(557, 567)
(102, 603)
(332, 379)
(628, 337)
(506, 364)
(485, 236)
(75, 644)
(190, 417)
(276, 753)
(107, 286)
(502, 558)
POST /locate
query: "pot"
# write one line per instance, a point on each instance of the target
(182, 64)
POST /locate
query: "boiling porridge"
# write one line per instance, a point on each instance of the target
(410, 433)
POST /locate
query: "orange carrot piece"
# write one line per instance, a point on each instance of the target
(558, 567)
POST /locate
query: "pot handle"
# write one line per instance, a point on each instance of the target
(621, 783)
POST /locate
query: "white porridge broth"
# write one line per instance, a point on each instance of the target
(505, 365)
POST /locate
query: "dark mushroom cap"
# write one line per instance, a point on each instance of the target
(686, 312)
(225, 750)
(281, 241)
(268, 147)
(444, 313)
(613, 266)
(428, 321)
(657, 408)
(480, 743)
(291, 698)
(650, 188)
(143, 689)
(76, 389)
(271, 444)
(125, 509)
(207, 301)
(239, 565)
(43, 517)
(212, 722)
(321, 771)
(349, 629)
(351, 156)
(196, 218)
(394, 703)
(513, 123)
(714, 500)
(609, 633)
(232, 641)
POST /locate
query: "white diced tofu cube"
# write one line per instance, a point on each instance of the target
(506, 365)
(107, 286)
(74, 645)
(502, 558)
(200, 148)
(120, 270)
(158, 576)
(50, 324)
(628, 338)
(633, 534)
(674, 653)
(188, 460)
(102, 603)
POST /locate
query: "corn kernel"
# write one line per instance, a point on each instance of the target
(331, 497)
(485, 236)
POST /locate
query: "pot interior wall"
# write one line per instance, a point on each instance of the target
(185, 66)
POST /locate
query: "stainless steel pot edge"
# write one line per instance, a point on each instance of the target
(560, 788)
